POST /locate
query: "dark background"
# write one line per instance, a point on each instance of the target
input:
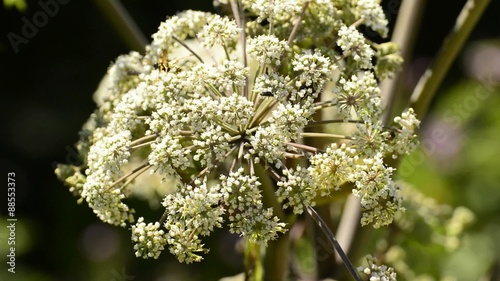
(46, 95)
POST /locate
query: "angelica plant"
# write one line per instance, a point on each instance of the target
(225, 108)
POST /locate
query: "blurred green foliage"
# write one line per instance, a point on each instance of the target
(20, 5)
(459, 165)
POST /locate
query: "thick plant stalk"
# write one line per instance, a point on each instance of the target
(349, 222)
(405, 33)
(325, 260)
(253, 261)
(434, 75)
(277, 251)
(123, 23)
(276, 259)
(276, 256)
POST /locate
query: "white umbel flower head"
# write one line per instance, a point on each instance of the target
(149, 239)
(373, 15)
(406, 139)
(219, 31)
(353, 45)
(296, 189)
(267, 49)
(225, 124)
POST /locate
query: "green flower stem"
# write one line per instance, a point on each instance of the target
(323, 105)
(188, 48)
(253, 262)
(276, 258)
(263, 109)
(325, 135)
(252, 95)
(239, 16)
(141, 145)
(342, 121)
(297, 23)
(304, 147)
(269, 197)
(144, 168)
(432, 78)
(332, 121)
(293, 156)
(144, 139)
(135, 173)
(214, 91)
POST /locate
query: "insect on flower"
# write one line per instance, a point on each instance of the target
(162, 64)
(167, 65)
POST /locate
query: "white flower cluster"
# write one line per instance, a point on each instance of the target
(211, 120)
(378, 272)
(191, 212)
(267, 49)
(313, 69)
(379, 195)
(219, 31)
(406, 140)
(247, 215)
(358, 97)
(273, 85)
(230, 76)
(296, 189)
(269, 143)
(124, 71)
(332, 168)
(320, 19)
(167, 155)
(370, 138)
(179, 26)
(149, 239)
(275, 10)
(104, 160)
(354, 45)
(373, 15)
